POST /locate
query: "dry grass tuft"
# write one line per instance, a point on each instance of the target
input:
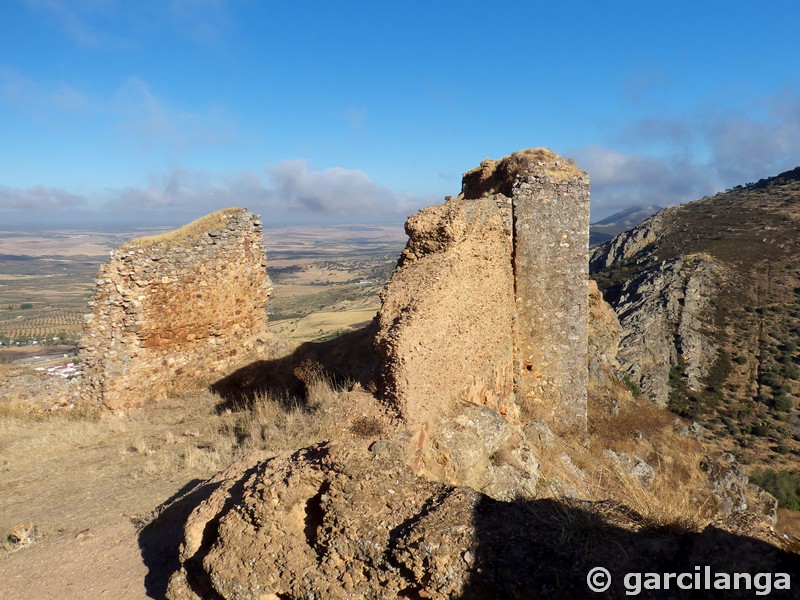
(281, 424)
(636, 420)
(20, 536)
(366, 427)
(18, 412)
(578, 527)
(216, 220)
(663, 505)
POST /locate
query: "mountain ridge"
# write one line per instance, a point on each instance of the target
(620, 221)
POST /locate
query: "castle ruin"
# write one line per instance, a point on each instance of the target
(489, 303)
(175, 310)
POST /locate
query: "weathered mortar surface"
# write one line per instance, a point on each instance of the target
(169, 311)
(484, 325)
(446, 317)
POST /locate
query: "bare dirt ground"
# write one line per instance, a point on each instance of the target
(94, 507)
(82, 488)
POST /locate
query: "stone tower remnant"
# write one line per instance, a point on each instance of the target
(489, 303)
(173, 310)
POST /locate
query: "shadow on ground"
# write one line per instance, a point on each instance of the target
(349, 358)
(546, 549)
(160, 540)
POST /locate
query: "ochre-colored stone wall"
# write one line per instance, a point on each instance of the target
(175, 310)
(445, 322)
(489, 304)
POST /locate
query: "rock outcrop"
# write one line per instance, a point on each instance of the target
(330, 521)
(175, 310)
(627, 245)
(666, 315)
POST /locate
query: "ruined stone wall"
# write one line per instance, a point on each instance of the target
(490, 302)
(445, 324)
(551, 270)
(175, 310)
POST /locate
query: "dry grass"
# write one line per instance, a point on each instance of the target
(193, 230)
(789, 522)
(664, 505)
(187, 433)
(636, 421)
(24, 412)
(20, 536)
(674, 500)
(277, 424)
(206, 440)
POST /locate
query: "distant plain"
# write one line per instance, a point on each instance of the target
(326, 279)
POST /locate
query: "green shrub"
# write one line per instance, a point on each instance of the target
(26, 305)
(761, 430)
(790, 371)
(632, 386)
(782, 403)
(770, 379)
(784, 485)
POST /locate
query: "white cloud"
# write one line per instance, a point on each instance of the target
(699, 154)
(39, 97)
(290, 191)
(39, 200)
(114, 24)
(622, 179)
(85, 21)
(334, 191)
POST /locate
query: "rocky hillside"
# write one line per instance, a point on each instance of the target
(708, 296)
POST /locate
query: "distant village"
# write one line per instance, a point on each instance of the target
(67, 371)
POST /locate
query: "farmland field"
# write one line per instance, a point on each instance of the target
(46, 280)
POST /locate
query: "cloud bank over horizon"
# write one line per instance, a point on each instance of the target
(706, 152)
(290, 192)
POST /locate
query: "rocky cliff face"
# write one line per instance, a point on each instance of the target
(666, 314)
(175, 310)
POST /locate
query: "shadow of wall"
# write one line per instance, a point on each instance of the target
(546, 548)
(345, 360)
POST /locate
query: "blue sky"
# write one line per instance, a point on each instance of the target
(312, 112)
